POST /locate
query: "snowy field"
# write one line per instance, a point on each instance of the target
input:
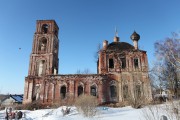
(124, 113)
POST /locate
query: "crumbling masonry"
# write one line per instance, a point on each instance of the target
(122, 71)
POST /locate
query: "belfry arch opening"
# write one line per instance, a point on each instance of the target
(63, 92)
(45, 28)
(80, 90)
(42, 45)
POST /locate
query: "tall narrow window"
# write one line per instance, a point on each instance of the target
(93, 90)
(136, 63)
(80, 90)
(138, 91)
(125, 92)
(123, 61)
(63, 92)
(113, 91)
(45, 28)
(111, 63)
(36, 92)
(41, 68)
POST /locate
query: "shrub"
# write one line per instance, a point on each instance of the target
(136, 102)
(68, 102)
(19, 107)
(121, 104)
(86, 105)
(169, 110)
(34, 105)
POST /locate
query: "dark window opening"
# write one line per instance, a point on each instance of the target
(123, 61)
(80, 90)
(93, 90)
(63, 92)
(138, 91)
(111, 63)
(125, 92)
(45, 28)
(113, 91)
(136, 63)
(33, 98)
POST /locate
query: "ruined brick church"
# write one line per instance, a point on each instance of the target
(122, 71)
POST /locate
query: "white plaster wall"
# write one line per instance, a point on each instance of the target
(8, 101)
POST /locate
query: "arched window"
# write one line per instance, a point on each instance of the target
(123, 63)
(45, 28)
(125, 92)
(41, 68)
(113, 91)
(93, 90)
(63, 92)
(80, 90)
(136, 64)
(42, 44)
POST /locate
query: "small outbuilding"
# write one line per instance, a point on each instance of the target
(12, 100)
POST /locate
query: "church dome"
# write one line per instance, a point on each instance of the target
(135, 36)
(119, 46)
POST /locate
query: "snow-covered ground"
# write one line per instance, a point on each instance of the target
(124, 113)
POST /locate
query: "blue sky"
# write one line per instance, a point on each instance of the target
(83, 25)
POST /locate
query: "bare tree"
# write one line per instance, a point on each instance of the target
(169, 49)
(85, 71)
(168, 59)
(157, 77)
(157, 112)
(171, 78)
(78, 71)
(154, 82)
(165, 77)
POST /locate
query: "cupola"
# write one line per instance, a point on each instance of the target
(135, 37)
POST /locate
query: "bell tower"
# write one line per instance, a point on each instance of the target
(44, 57)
